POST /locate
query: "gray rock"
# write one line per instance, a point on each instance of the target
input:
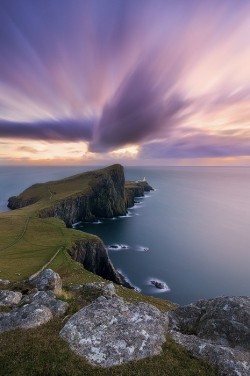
(223, 320)
(47, 299)
(229, 361)
(47, 280)
(216, 329)
(4, 282)
(9, 298)
(25, 317)
(105, 289)
(111, 331)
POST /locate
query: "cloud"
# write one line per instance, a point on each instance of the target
(28, 149)
(64, 130)
(141, 108)
(198, 145)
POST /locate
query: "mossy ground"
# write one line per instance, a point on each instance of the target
(27, 243)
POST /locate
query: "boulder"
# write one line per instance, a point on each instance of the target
(47, 280)
(111, 331)
(104, 289)
(214, 329)
(25, 317)
(228, 361)
(47, 299)
(9, 298)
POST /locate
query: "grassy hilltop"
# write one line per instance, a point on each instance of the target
(29, 243)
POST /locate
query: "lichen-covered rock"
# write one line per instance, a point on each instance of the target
(25, 317)
(111, 331)
(48, 299)
(216, 329)
(223, 320)
(103, 288)
(47, 280)
(228, 360)
(9, 298)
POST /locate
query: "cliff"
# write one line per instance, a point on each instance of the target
(84, 197)
(92, 254)
(135, 189)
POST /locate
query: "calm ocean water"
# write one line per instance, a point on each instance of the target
(192, 232)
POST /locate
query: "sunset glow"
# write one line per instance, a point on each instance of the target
(84, 82)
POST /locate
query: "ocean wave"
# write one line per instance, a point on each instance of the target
(141, 248)
(118, 247)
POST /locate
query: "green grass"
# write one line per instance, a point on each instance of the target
(40, 352)
(27, 243)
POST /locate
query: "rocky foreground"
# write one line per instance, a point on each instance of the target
(111, 331)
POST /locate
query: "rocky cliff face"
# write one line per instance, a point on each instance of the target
(105, 198)
(92, 254)
(85, 197)
(135, 189)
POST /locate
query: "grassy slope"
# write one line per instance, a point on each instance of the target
(26, 244)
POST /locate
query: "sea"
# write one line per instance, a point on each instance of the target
(192, 233)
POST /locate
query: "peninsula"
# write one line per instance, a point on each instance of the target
(54, 289)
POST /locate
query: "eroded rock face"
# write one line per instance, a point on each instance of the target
(47, 280)
(216, 329)
(26, 317)
(48, 299)
(9, 298)
(111, 331)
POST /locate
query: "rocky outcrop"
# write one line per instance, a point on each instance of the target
(25, 317)
(104, 197)
(9, 298)
(85, 197)
(217, 330)
(92, 254)
(47, 280)
(135, 189)
(47, 299)
(111, 331)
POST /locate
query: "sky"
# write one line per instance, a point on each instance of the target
(141, 82)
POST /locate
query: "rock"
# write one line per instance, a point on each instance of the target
(47, 280)
(229, 361)
(111, 331)
(47, 299)
(4, 282)
(92, 254)
(114, 246)
(159, 285)
(25, 317)
(109, 290)
(104, 289)
(9, 298)
(215, 328)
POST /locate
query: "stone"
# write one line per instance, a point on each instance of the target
(47, 280)
(47, 299)
(9, 298)
(4, 282)
(111, 331)
(227, 360)
(25, 317)
(102, 288)
(158, 285)
(216, 329)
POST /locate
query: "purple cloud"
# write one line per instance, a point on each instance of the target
(65, 130)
